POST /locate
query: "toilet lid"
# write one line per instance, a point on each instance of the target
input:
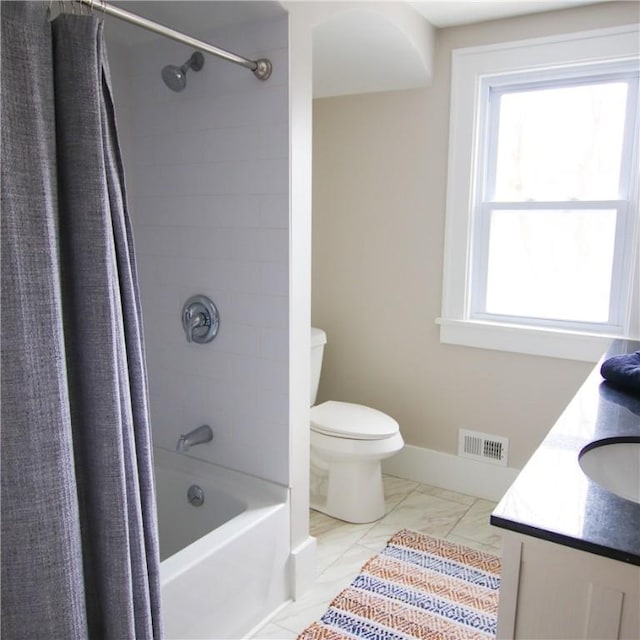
(347, 420)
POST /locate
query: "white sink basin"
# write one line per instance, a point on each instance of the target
(614, 466)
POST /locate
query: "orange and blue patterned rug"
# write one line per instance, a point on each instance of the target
(418, 587)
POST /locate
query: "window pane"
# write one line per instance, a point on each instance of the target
(551, 264)
(561, 143)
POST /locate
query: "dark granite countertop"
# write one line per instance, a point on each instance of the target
(554, 500)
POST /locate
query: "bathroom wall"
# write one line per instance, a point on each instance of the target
(208, 173)
(379, 188)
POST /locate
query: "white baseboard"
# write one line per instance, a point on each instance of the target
(303, 567)
(455, 473)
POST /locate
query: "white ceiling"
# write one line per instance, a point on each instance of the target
(449, 13)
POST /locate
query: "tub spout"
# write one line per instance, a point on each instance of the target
(197, 436)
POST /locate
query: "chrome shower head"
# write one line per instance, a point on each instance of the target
(176, 77)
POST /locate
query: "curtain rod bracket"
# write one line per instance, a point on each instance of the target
(263, 69)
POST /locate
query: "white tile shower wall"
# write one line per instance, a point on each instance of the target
(210, 213)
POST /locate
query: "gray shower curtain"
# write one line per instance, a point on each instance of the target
(79, 536)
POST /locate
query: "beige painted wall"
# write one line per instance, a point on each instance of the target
(379, 186)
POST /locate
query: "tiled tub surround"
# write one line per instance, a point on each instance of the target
(210, 209)
(571, 556)
(343, 548)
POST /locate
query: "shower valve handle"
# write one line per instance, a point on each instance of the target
(200, 319)
(193, 321)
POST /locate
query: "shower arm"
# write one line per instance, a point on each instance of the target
(261, 68)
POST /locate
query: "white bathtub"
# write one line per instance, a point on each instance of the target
(224, 564)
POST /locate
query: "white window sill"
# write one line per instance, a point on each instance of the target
(538, 341)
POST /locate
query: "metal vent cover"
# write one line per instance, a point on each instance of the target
(483, 447)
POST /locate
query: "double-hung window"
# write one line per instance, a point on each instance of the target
(542, 210)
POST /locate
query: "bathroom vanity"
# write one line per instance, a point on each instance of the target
(571, 546)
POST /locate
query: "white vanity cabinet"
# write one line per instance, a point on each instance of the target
(549, 590)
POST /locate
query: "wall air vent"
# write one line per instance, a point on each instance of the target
(483, 447)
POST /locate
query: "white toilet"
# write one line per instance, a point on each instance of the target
(348, 443)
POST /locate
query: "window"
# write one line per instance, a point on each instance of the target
(552, 214)
(542, 208)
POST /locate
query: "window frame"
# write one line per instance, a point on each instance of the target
(475, 73)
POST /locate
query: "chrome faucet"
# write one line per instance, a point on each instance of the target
(200, 435)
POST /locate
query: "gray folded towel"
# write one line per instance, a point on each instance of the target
(623, 371)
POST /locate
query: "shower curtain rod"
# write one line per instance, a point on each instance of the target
(261, 68)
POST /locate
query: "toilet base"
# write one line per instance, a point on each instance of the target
(354, 492)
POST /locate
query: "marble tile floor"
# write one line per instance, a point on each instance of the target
(343, 548)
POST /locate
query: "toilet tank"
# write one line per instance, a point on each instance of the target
(318, 340)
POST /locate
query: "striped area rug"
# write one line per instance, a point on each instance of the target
(417, 587)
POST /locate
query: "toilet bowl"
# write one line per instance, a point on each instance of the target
(348, 443)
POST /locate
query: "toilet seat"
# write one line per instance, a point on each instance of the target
(352, 421)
